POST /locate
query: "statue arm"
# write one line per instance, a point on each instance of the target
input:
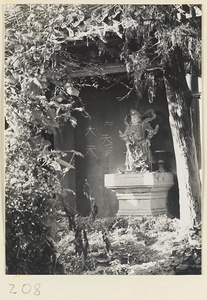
(126, 122)
(145, 121)
(124, 134)
(150, 131)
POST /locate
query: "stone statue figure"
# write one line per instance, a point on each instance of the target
(137, 135)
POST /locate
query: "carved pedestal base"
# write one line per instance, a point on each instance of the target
(140, 193)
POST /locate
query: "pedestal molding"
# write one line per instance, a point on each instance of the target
(140, 193)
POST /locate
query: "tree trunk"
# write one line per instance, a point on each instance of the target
(179, 100)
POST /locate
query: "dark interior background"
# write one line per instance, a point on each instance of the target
(104, 151)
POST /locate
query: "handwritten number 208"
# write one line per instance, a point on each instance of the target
(26, 289)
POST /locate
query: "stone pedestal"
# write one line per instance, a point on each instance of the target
(140, 193)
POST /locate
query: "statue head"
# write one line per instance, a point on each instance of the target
(135, 116)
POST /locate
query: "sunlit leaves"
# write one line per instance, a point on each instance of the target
(32, 184)
(139, 246)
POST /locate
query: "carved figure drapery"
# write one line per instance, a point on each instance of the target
(137, 135)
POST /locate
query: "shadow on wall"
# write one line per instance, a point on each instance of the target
(173, 200)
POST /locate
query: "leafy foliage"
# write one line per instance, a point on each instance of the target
(38, 96)
(137, 246)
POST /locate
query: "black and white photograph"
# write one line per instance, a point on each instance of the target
(103, 139)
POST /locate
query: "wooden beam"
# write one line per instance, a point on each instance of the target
(98, 70)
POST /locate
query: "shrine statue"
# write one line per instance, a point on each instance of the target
(137, 135)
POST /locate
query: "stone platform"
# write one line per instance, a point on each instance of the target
(140, 193)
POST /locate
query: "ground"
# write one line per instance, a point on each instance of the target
(128, 246)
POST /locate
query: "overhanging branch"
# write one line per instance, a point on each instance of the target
(98, 70)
